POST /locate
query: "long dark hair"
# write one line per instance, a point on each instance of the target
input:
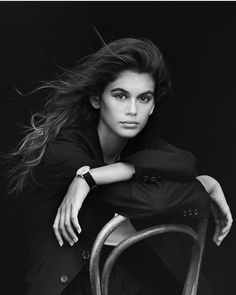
(68, 101)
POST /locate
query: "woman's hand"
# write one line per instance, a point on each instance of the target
(66, 220)
(219, 208)
(223, 220)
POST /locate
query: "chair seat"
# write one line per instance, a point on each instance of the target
(124, 231)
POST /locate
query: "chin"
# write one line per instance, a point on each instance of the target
(129, 133)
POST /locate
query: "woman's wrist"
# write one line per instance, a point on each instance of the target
(121, 171)
(82, 188)
(208, 182)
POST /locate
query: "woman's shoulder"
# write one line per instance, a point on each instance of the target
(72, 141)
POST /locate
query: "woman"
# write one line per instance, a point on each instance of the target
(94, 151)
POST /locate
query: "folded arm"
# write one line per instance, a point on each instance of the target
(118, 189)
(115, 181)
(169, 163)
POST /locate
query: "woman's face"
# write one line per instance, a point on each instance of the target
(126, 104)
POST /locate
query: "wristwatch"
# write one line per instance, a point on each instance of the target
(84, 172)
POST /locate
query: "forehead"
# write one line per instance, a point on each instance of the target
(133, 82)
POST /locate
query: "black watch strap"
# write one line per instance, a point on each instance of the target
(89, 179)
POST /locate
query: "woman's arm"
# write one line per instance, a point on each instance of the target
(59, 169)
(67, 215)
(149, 199)
(219, 207)
(157, 157)
(64, 157)
(168, 162)
(113, 173)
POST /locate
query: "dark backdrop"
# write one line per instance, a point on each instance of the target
(198, 41)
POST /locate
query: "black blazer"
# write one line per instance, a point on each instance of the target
(164, 185)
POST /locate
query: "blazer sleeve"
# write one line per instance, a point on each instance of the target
(136, 199)
(130, 198)
(162, 160)
(63, 158)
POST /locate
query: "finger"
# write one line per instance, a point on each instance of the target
(221, 234)
(62, 228)
(222, 237)
(226, 223)
(68, 225)
(217, 231)
(225, 229)
(227, 226)
(74, 219)
(56, 229)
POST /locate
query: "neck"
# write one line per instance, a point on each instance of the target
(111, 144)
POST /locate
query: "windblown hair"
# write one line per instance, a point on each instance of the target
(68, 102)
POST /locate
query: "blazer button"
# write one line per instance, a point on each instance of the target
(145, 178)
(85, 254)
(185, 213)
(153, 179)
(195, 212)
(190, 212)
(64, 279)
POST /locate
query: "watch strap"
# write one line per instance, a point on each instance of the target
(89, 179)
(84, 172)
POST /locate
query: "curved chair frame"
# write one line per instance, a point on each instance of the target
(100, 285)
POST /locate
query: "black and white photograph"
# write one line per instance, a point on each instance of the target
(117, 147)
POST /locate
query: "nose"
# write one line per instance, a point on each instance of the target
(132, 108)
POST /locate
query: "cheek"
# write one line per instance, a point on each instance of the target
(145, 115)
(108, 113)
(113, 108)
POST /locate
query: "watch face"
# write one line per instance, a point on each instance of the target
(83, 170)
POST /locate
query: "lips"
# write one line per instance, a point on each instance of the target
(129, 122)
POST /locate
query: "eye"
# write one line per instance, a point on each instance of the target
(145, 98)
(120, 96)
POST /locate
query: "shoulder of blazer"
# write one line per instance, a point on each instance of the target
(86, 137)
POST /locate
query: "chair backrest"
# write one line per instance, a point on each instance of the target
(99, 284)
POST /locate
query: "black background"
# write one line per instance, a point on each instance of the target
(198, 41)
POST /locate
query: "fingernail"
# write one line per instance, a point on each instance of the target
(61, 244)
(75, 240)
(79, 230)
(71, 243)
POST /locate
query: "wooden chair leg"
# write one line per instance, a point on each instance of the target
(192, 277)
(96, 251)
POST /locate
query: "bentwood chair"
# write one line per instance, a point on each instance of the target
(99, 284)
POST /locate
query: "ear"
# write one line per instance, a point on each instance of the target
(95, 101)
(152, 109)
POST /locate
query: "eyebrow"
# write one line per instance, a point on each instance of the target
(125, 91)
